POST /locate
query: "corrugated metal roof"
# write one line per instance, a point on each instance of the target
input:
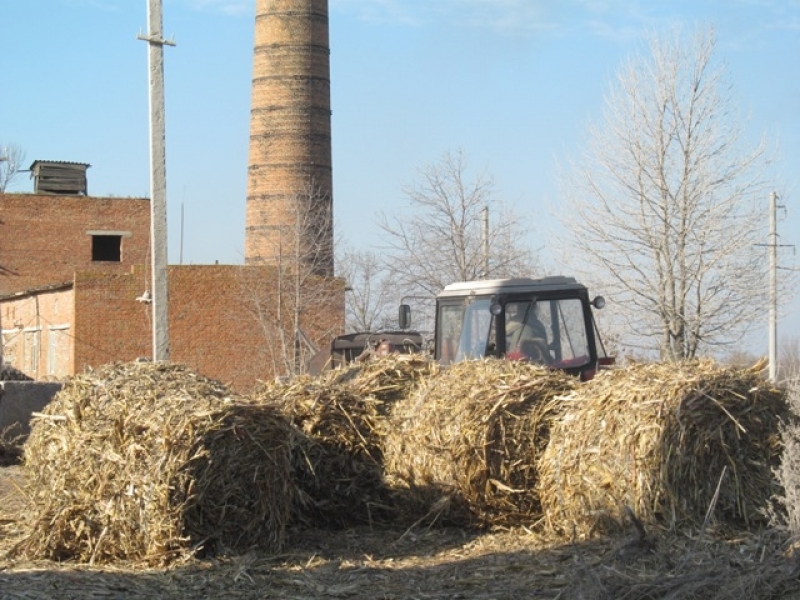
(58, 162)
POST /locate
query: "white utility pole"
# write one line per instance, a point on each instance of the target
(158, 180)
(773, 287)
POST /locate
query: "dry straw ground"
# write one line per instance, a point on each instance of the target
(150, 481)
(364, 564)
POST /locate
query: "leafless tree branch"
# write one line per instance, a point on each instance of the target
(441, 239)
(293, 308)
(370, 299)
(12, 158)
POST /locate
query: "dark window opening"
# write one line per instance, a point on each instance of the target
(107, 248)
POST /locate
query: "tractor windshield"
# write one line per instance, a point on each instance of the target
(551, 332)
(465, 330)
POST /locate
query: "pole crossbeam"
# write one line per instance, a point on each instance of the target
(156, 40)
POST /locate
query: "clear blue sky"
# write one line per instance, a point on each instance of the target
(511, 82)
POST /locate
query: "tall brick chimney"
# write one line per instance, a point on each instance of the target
(290, 184)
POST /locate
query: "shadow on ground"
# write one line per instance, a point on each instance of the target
(442, 563)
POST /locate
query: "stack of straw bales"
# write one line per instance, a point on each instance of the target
(678, 444)
(341, 422)
(466, 445)
(148, 462)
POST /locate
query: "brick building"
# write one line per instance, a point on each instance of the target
(73, 270)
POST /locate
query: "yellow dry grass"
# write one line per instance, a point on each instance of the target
(150, 462)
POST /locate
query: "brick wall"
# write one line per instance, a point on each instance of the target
(209, 326)
(110, 325)
(216, 325)
(44, 239)
(221, 321)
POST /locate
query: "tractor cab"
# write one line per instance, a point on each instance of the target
(548, 321)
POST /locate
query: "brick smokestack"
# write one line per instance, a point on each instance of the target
(290, 183)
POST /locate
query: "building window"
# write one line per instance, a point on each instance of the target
(10, 346)
(58, 351)
(107, 248)
(31, 342)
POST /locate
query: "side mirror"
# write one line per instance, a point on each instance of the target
(404, 316)
(599, 302)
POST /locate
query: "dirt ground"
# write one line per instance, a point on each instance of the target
(425, 564)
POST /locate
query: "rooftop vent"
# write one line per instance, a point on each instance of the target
(54, 177)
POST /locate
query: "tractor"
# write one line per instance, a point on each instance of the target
(548, 321)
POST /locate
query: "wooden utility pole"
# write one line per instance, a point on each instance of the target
(158, 180)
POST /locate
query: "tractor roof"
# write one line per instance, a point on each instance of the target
(518, 285)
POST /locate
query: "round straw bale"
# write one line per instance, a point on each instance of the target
(149, 461)
(475, 432)
(676, 444)
(390, 378)
(337, 456)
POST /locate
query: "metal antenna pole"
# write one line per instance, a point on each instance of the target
(158, 180)
(773, 287)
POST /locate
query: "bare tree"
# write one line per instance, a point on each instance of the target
(663, 209)
(443, 239)
(369, 301)
(12, 158)
(789, 363)
(296, 308)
